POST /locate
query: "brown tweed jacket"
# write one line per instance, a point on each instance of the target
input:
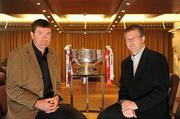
(24, 81)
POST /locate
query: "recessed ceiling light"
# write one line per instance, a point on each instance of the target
(111, 29)
(113, 25)
(55, 25)
(52, 21)
(123, 11)
(116, 21)
(60, 31)
(85, 33)
(44, 11)
(48, 16)
(38, 3)
(119, 16)
(127, 3)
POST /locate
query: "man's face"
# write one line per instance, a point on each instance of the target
(134, 41)
(41, 37)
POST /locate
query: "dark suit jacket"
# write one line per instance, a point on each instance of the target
(24, 81)
(149, 87)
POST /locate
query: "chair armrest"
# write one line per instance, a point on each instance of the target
(1, 112)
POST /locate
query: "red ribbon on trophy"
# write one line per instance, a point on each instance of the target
(68, 51)
(109, 65)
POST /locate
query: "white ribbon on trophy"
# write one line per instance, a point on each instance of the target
(69, 70)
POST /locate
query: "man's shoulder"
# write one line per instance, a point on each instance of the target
(20, 49)
(156, 57)
(155, 54)
(52, 51)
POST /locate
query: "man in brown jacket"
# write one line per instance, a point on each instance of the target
(32, 77)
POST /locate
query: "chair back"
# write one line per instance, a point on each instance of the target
(3, 96)
(177, 114)
(174, 82)
(2, 78)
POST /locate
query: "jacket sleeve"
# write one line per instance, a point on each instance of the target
(160, 74)
(14, 88)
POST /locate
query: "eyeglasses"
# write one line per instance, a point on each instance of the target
(133, 39)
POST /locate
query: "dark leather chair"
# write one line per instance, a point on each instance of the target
(3, 96)
(174, 82)
(2, 78)
(177, 114)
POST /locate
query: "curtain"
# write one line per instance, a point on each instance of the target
(156, 39)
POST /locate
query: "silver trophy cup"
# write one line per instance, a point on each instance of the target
(86, 60)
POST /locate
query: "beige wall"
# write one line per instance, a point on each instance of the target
(176, 52)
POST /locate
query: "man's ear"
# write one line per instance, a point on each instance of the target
(32, 35)
(143, 39)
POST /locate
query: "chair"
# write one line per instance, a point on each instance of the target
(2, 77)
(3, 97)
(177, 114)
(174, 82)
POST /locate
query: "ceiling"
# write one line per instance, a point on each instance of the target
(110, 9)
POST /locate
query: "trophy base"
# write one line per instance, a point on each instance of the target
(80, 72)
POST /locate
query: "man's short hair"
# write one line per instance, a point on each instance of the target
(40, 22)
(135, 27)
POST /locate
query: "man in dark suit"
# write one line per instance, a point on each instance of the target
(144, 82)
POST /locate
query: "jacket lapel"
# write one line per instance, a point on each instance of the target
(32, 57)
(129, 69)
(142, 63)
(51, 67)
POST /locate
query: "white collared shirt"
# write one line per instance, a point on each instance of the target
(136, 60)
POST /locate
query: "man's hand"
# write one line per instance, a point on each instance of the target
(55, 101)
(44, 104)
(48, 105)
(128, 108)
(129, 113)
(127, 104)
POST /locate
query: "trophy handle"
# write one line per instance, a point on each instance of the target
(77, 62)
